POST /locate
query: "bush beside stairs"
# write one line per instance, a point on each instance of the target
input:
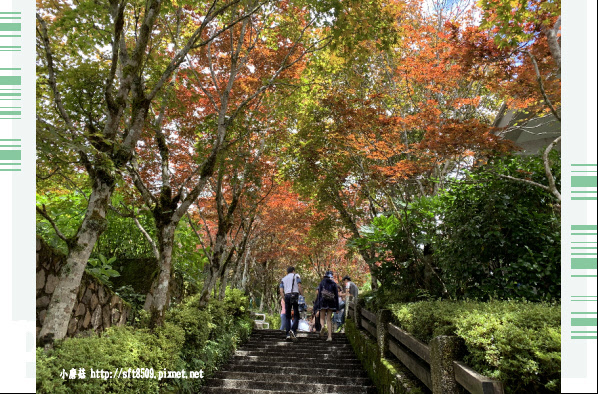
(268, 363)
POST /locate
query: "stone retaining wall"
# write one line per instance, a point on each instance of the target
(97, 306)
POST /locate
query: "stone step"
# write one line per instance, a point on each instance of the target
(267, 352)
(282, 386)
(301, 334)
(295, 379)
(297, 345)
(223, 390)
(310, 338)
(298, 363)
(268, 363)
(330, 372)
(304, 356)
(315, 360)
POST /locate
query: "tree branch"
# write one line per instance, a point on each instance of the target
(551, 181)
(541, 84)
(42, 211)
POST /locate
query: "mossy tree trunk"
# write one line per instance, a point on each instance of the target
(80, 247)
(161, 296)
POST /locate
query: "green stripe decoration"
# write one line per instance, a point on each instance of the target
(10, 90)
(583, 251)
(589, 322)
(10, 26)
(580, 181)
(583, 264)
(10, 80)
(10, 154)
(584, 322)
(584, 183)
(10, 159)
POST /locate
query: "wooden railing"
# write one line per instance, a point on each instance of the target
(436, 365)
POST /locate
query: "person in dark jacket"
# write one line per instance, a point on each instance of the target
(327, 302)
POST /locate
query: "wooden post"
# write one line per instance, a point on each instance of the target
(357, 315)
(443, 351)
(384, 316)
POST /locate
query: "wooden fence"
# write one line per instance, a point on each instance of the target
(436, 365)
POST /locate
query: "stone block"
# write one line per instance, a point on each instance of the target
(123, 318)
(42, 317)
(87, 297)
(51, 283)
(102, 295)
(94, 302)
(40, 279)
(96, 318)
(72, 326)
(87, 319)
(80, 309)
(42, 302)
(81, 292)
(115, 316)
(114, 300)
(106, 315)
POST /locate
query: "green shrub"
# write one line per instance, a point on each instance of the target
(207, 346)
(117, 347)
(197, 323)
(191, 339)
(516, 342)
(273, 320)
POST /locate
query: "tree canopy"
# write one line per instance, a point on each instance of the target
(228, 139)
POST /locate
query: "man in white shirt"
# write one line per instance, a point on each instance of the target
(290, 289)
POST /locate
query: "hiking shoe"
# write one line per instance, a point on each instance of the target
(329, 339)
(288, 337)
(293, 336)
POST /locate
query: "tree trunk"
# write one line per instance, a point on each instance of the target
(223, 283)
(161, 296)
(245, 275)
(65, 294)
(208, 285)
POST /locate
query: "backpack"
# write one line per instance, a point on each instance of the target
(327, 295)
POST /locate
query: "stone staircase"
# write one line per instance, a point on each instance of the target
(268, 364)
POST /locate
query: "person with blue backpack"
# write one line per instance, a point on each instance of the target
(327, 303)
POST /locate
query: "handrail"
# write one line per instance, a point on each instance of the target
(419, 358)
(412, 343)
(474, 382)
(369, 315)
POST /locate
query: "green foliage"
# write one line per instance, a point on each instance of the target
(118, 347)
(101, 268)
(192, 338)
(136, 300)
(517, 342)
(236, 302)
(485, 236)
(187, 258)
(402, 244)
(67, 209)
(211, 333)
(273, 320)
(513, 22)
(498, 237)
